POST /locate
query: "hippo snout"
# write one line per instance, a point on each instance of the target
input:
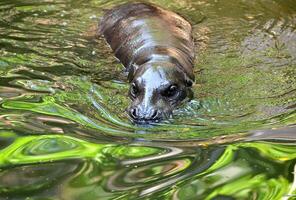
(139, 114)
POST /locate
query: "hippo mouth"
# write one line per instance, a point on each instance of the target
(144, 122)
(151, 120)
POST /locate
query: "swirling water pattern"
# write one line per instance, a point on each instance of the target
(64, 133)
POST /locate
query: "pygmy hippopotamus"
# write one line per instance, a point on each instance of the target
(157, 49)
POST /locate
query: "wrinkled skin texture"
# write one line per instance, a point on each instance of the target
(156, 48)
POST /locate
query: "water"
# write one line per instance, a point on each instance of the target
(64, 133)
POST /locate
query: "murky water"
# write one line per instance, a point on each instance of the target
(64, 133)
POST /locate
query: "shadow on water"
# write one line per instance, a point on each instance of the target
(64, 133)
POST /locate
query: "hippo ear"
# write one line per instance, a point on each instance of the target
(132, 71)
(188, 81)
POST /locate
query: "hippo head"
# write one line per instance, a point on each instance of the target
(156, 89)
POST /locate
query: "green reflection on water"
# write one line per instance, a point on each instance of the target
(45, 148)
(242, 170)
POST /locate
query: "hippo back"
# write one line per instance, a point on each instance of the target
(139, 32)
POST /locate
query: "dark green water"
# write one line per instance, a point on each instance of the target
(64, 133)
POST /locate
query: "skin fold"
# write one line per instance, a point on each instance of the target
(156, 48)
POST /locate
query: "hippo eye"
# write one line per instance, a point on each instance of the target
(134, 90)
(170, 91)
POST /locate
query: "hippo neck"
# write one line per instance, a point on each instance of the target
(164, 54)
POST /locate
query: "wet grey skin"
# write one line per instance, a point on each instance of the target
(157, 50)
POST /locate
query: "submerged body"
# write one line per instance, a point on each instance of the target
(157, 50)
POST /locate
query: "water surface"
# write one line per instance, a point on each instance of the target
(64, 133)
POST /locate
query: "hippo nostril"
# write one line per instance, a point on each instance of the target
(155, 114)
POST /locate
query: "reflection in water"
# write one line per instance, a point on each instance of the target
(64, 133)
(28, 179)
(98, 171)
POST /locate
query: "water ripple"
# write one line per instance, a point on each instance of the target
(64, 132)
